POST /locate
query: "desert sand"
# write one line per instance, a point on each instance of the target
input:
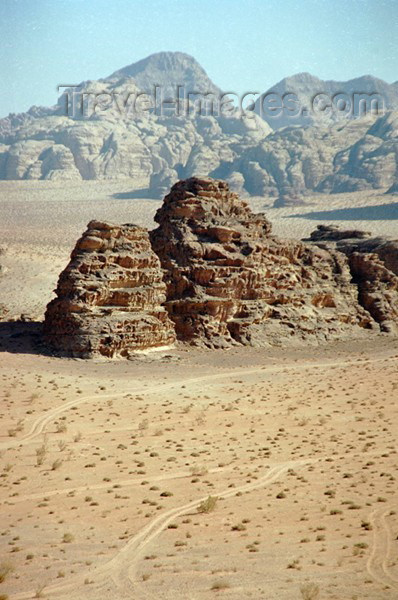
(189, 474)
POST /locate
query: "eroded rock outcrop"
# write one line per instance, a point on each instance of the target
(115, 129)
(213, 274)
(230, 281)
(373, 263)
(109, 297)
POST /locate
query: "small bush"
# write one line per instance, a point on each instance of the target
(208, 505)
(5, 570)
(220, 585)
(309, 591)
(41, 453)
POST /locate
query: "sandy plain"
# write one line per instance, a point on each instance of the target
(107, 467)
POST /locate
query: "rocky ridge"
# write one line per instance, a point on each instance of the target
(373, 264)
(109, 297)
(212, 274)
(153, 151)
(230, 281)
(306, 87)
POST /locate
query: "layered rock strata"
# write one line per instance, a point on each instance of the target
(109, 297)
(373, 263)
(230, 281)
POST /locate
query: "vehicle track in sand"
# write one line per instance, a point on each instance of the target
(378, 564)
(122, 567)
(39, 425)
(103, 486)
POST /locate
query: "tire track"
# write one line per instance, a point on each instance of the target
(378, 562)
(123, 565)
(103, 486)
(38, 427)
(121, 568)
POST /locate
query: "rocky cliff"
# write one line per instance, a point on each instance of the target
(230, 281)
(360, 93)
(373, 264)
(109, 297)
(115, 134)
(212, 274)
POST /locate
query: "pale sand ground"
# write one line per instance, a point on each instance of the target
(299, 446)
(242, 425)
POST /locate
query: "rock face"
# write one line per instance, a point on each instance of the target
(110, 296)
(332, 233)
(168, 70)
(230, 281)
(213, 274)
(113, 134)
(116, 136)
(306, 87)
(373, 264)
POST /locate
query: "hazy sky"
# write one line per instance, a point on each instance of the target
(244, 45)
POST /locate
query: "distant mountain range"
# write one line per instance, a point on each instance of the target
(325, 153)
(306, 87)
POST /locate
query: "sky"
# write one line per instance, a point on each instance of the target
(244, 45)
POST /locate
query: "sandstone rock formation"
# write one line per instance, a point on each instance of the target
(373, 264)
(109, 297)
(333, 233)
(226, 280)
(230, 281)
(106, 139)
(306, 87)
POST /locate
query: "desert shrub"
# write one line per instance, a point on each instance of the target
(208, 505)
(220, 584)
(309, 591)
(5, 569)
(41, 453)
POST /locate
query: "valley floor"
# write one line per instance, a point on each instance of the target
(104, 466)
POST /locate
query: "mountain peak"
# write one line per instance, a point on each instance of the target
(168, 70)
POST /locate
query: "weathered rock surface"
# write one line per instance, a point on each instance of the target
(307, 87)
(333, 233)
(373, 264)
(230, 281)
(109, 297)
(213, 274)
(108, 139)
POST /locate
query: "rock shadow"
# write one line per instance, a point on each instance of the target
(19, 337)
(134, 195)
(381, 212)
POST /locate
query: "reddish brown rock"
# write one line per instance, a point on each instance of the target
(377, 289)
(373, 263)
(229, 281)
(109, 297)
